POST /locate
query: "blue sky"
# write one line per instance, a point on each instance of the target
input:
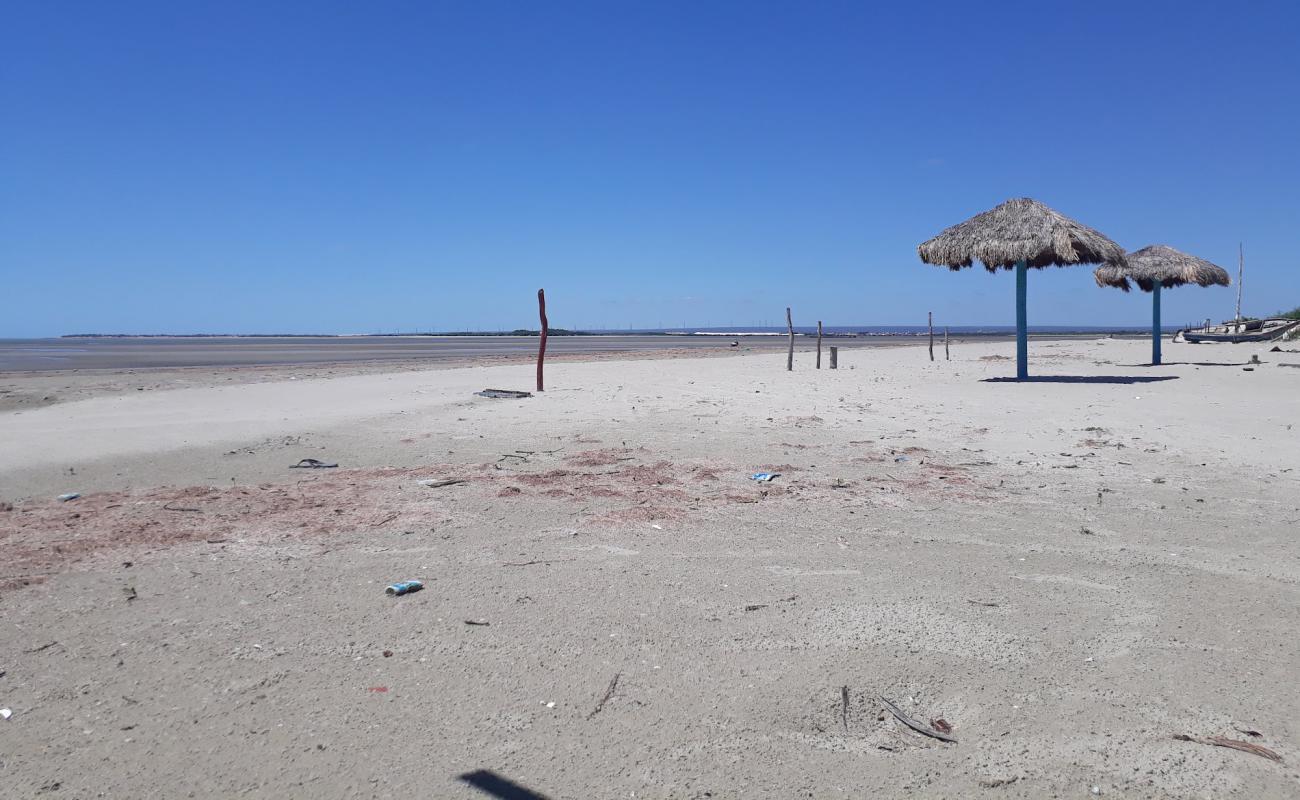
(316, 167)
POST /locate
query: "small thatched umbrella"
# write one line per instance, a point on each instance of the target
(1156, 266)
(1020, 234)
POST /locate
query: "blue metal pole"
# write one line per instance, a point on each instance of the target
(1155, 325)
(1022, 325)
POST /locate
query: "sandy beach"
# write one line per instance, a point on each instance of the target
(1067, 572)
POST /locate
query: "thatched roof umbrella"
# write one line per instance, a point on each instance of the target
(1160, 266)
(1020, 234)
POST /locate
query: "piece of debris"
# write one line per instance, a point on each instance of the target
(755, 606)
(45, 646)
(941, 725)
(312, 463)
(388, 654)
(1157, 480)
(1235, 744)
(129, 591)
(403, 587)
(436, 484)
(503, 394)
(840, 483)
(982, 603)
(170, 507)
(1253, 734)
(901, 459)
(764, 477)
(844, 706)
(480, 622)
(63, 498)
(914, 725)
(995, 783)
(5, 713)
(609, 692)
(377, 689)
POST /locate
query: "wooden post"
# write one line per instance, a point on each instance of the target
(835, 357)
(1022, 324)
(789, 356)
(541, 345)
(946, 355)
(819, 344)
(931, 313)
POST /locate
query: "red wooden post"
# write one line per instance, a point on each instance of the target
(541, 346)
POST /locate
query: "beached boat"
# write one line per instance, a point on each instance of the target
(1236, 332)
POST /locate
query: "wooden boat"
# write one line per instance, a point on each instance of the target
(1255, 330)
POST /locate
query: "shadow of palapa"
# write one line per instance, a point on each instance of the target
(1120, 379)
(1191, 364)
(490, 783)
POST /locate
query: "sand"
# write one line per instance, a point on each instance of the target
(1067, 572)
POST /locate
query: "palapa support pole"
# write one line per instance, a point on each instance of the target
(946, 355)
(835, 357)
(789, 356)
(1155, 325)
(931, 315)
(541, 345)
(819, 344)
(1022, 324)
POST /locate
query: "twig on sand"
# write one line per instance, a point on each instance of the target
(385, 520)
(430, 484)
(982, 603)
(45, 646)
(609, 692)
(844, 706)
(1220, 741)
(913, 724)
(168, 507)
(535, 561)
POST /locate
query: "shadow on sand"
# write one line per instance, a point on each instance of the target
(490, 783)
(1125, 379)
(1191, 364)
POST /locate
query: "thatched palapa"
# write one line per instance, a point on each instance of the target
(1164, 265)
(1155, 267)
(1020, 230)
(1020, 234)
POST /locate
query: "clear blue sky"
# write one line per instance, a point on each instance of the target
(318, 167)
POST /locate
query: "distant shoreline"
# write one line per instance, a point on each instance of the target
(842, 332)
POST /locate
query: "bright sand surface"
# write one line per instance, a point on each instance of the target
(1068, 572)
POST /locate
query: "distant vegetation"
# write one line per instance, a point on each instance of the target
(1292, 314)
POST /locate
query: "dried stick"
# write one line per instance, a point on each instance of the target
(914, 725)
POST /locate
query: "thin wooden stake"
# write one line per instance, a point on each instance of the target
(835, 357)
(946, 355)
(931, 313)
(819, 344)
(541, 345)
(789, 356)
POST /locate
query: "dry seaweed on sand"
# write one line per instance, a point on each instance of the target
(1235, 744)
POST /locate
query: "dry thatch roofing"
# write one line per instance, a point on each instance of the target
(1020, 230)
(1164, 265)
